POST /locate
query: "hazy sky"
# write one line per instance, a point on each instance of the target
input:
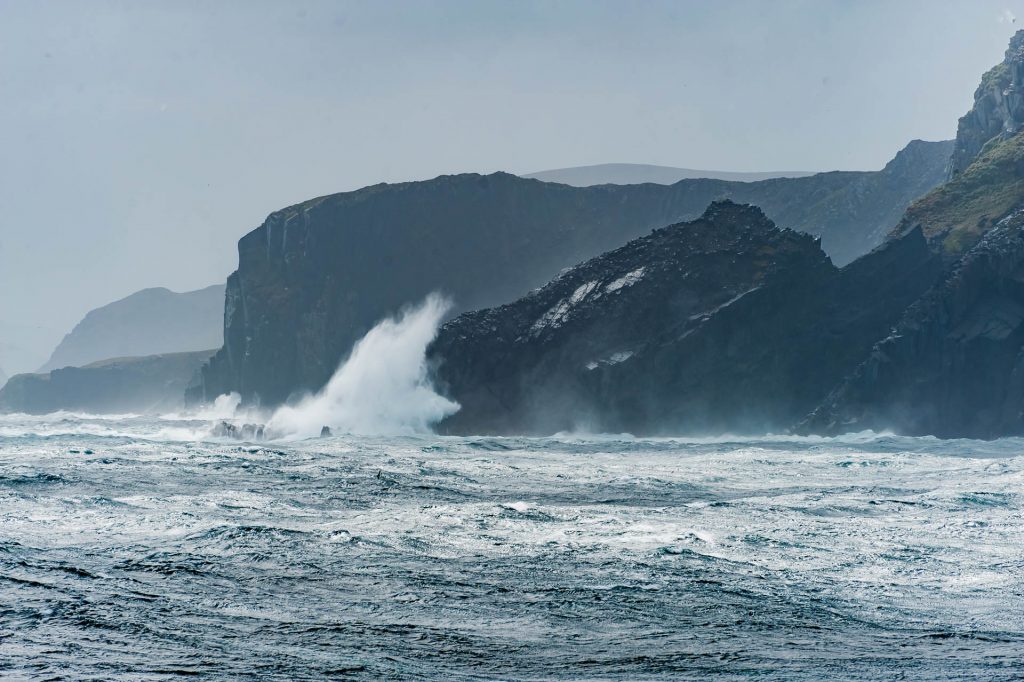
(140, 140)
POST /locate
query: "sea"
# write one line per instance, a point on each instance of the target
(144, 548)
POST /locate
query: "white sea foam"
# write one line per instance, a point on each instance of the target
(224, 407)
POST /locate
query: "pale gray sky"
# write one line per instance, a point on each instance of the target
(140, 140)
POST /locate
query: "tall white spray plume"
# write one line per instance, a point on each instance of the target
(224, 407)
(382, 388)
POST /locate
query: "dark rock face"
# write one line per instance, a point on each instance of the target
(723, 324)
(315, 277)
(954, 366)
(148, 384)
(148, 322)
(998, 111)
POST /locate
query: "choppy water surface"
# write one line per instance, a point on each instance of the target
(129, 549)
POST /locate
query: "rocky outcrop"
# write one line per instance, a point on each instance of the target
(726, 323)
(986, 174)
(954, 365)
(150, 384)
(998, 111)
(148, 322)
(954, 216)
(316, 276)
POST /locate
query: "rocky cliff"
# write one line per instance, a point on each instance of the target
(316, 276)
(726, 323)
(998, 111)
(148, 322)
(986, 175)
(150, 384)
(953, 365)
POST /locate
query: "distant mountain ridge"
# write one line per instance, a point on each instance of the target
(148, 322)
(639, 173)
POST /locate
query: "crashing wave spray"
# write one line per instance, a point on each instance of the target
(225, 406)
(382, 388)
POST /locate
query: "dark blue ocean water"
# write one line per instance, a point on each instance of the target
(132, 550)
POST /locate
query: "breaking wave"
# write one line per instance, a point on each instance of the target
(383, 387)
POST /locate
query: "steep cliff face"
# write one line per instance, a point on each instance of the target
(986, 174)
(150, 384)
(148, 322)
(316, 276)
(723, 324)
(954, 365)
(998, 111)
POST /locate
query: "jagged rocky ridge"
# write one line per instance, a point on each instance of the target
(150, 384)
(726, 323)
(316, 276)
